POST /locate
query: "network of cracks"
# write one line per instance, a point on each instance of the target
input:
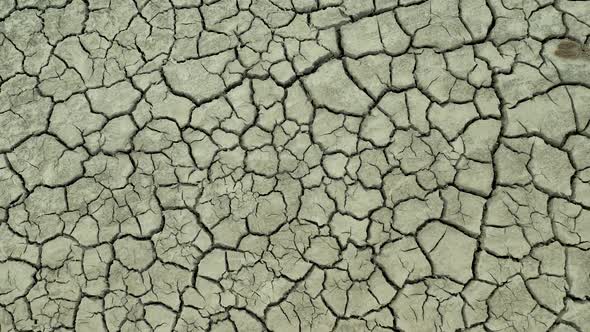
(294, 165)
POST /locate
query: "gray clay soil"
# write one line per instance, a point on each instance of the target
(294, 165)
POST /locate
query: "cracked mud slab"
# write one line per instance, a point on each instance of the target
(295, 165)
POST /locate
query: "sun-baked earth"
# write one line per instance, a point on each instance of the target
(294, 165)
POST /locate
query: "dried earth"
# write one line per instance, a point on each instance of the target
(294, 165)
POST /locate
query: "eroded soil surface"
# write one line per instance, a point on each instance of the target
(294, 165)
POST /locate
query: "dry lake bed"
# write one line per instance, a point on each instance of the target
(294, 165)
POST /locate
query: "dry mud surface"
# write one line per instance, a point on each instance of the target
(294, 165)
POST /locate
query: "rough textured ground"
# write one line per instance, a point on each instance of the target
(294, 165)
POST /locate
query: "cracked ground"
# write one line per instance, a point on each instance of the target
(295, 165)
